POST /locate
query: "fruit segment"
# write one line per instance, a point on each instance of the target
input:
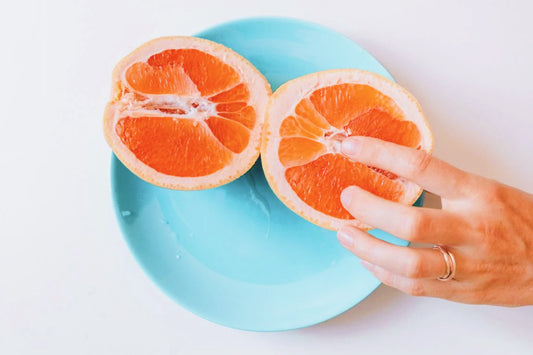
(151, 139)
(146, 79)
(237, 93)
(246, 116)
(293, 127)
(297, 151)
(380, 124)
(339, 104)
(231, 134)
(210, 75)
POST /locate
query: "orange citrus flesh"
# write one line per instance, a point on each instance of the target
(322, 120)
(182, 72)
(181, 146)
(151, 140)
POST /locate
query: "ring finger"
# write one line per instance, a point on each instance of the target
(426, 263)
(416, 287)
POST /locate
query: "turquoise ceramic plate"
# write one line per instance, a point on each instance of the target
(235, 255)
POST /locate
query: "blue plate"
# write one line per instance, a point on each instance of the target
(235, 255)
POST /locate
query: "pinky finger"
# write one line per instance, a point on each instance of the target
(413, 287)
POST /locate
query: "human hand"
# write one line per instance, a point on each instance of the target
(485, 225)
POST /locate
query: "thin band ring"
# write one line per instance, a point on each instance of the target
(450, 263)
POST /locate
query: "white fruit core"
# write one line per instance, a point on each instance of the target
(136, 105)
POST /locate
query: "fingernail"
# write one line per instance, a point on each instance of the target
(351, 146)
(345, 238)
(347, 195)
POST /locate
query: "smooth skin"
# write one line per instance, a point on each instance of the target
(486, 225)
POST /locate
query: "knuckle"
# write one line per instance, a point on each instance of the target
(415, 226)
(419, 162)
(415, 266)
(415, 288)
(493, 192)
(411, 287)
(372, 153)
(490, 236)
(388, 279)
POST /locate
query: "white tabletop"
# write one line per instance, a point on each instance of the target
(69, 285)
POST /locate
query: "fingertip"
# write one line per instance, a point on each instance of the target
(347, 195)
(353, 192)
(345, 237)
(351, 146)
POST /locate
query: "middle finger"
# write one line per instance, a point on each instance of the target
(424, 225)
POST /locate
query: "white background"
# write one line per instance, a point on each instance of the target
(68, 284)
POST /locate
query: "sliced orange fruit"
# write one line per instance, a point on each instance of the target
(186, 113)
(307, 118)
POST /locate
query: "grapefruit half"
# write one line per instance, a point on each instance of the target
(307, 118)
(186, 113)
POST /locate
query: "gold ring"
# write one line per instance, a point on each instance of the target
(450, 263)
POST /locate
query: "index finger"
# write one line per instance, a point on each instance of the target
(418, 166)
